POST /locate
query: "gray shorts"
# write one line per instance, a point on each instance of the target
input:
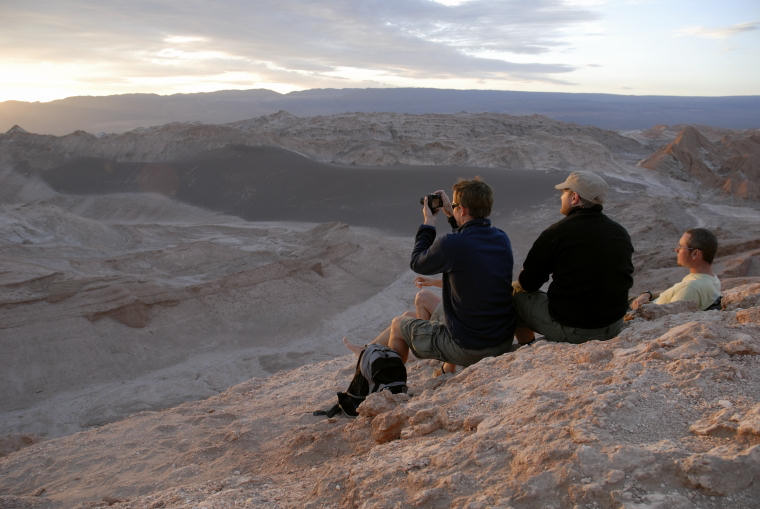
(533, 313)
(437, 314)
(432, 340)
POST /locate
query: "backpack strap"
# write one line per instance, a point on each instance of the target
(715, 304)
(390, 386)
(330, 412)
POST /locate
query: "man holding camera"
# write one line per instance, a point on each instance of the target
(476, 263)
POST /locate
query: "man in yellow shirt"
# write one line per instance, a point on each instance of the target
(696, 251)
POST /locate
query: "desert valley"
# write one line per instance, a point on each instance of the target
(173, 298)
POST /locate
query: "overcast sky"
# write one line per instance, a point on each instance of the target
(50, 49)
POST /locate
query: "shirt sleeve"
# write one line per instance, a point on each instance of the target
(538, 264)
(667, 296)
(429, 255)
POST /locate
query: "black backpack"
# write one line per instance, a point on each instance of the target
(378, 368)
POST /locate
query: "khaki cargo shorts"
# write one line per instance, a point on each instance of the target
(429, 339)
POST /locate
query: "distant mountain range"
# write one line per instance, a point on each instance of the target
(119, 113)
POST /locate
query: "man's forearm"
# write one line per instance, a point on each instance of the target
(427, 256)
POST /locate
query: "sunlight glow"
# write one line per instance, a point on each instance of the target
(183, 39)
(40, 81)
(451, 3)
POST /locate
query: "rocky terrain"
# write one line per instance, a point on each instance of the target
(123, 304)
(731, 162)
(386, 139)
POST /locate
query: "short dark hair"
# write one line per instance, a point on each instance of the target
(475, 195)
(705, 241)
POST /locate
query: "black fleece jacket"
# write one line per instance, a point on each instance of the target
(588, 256)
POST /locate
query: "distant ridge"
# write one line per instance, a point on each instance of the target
(119, 113)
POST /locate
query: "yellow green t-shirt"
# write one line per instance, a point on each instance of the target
(700, 288)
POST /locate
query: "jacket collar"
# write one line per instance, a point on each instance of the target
(479, 221)
(580, 210)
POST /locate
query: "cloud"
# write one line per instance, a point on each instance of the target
(277, 39)
(183, 39)
(718, 33)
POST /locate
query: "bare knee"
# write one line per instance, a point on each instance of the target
(396, 340)
(421, 297)
(396, 322)
(425, 302)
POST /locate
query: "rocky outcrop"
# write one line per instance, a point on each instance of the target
(381, 139)
(486, 140)
(731, 164)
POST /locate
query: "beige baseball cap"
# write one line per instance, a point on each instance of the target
(589, 186)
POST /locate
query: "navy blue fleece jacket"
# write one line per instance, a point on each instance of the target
(476, 262)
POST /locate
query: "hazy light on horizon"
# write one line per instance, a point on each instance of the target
(55, 49)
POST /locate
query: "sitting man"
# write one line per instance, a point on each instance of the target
(696, 251)
(478, 317)
(588, 256)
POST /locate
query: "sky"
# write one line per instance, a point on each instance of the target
(51, 49)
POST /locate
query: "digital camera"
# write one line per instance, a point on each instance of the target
(435, 202)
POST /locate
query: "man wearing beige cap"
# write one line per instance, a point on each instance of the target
(588, 256)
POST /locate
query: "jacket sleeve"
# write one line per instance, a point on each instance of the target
(429, 255)
(538, 264)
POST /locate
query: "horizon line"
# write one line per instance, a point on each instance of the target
(458, 90)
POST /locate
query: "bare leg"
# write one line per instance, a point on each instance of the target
(524, 335)
(356, 349)
(381, 339)
(449, 367)
(396, 340)
(425, 303)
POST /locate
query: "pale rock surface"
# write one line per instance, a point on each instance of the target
(661, 416)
